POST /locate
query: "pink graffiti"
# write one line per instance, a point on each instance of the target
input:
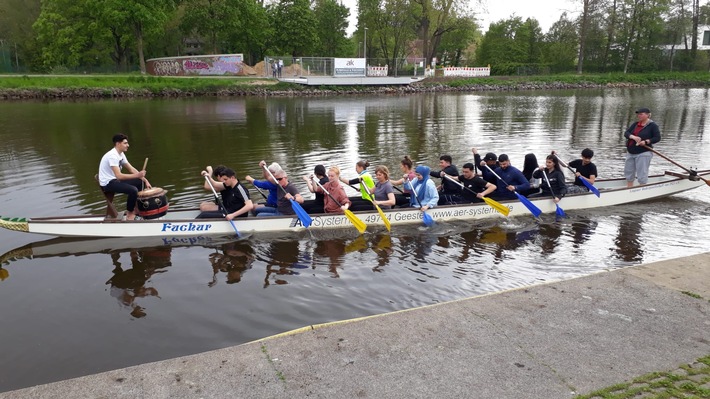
(191, 64)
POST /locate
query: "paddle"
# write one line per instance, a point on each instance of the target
(559, 210)
(584, 180)
(357, 222)
(493, 204)
(372, 199)
(690, 171)
(531, 207)
(426, 218)
(260, 192)
(221, 204)
(300, 212)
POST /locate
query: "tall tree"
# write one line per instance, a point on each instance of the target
(208, 19)
(16, 19)
(434, 20)
(295, 27)
(64, 33)
(332, 23)
(144, 17)
(560, 45)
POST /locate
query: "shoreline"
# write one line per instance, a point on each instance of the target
(91, 87)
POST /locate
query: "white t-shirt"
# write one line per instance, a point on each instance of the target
(111, 158)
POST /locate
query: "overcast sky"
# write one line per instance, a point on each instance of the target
(546, 11)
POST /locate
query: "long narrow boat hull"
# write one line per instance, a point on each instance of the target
(182, 223)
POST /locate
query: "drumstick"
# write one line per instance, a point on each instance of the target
(145, 164)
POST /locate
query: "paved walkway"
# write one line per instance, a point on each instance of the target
(556, 340)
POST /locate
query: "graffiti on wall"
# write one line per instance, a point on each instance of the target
(204, 65)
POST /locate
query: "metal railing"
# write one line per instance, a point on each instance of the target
(289, 67)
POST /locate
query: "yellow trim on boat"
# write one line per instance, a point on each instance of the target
(16, 224)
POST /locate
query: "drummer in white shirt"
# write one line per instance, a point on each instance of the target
(111, 179)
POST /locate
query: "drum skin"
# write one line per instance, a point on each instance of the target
(152, 203)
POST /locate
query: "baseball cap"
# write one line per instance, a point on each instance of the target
(643, 110)
(490, 157)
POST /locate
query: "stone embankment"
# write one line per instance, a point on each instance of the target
(268, 88)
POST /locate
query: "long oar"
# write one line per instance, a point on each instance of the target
(531, 207)
(426, 218)
(559, 210)
(492, 203)
(300, 212)
(690, 171)
(260, 192)
(382, 214)
(584, 180)
(357, 222)
(221, 205)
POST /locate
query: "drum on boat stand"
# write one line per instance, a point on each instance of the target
(152, 203)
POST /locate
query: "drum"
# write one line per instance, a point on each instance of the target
(152, 203)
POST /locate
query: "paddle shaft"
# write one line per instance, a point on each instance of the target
(544, 174)
(260, 192)
(297, 208)
(496, 175)
(221, 204)
(326, 191)
(275, 181)
(676, 163)
(460, 184)
(568, 167)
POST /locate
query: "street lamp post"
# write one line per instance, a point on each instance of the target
(364, 48)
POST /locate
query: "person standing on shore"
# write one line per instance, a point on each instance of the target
(644, 132)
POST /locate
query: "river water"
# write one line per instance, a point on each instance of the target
(76, 307)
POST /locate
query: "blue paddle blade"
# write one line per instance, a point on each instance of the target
(560, 212)
(591, 187)
(301, 213)
(531, 207)
(428, 220)
(235, 228)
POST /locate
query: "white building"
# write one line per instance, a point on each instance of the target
(703, 40)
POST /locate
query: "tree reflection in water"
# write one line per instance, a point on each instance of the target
(127, 285)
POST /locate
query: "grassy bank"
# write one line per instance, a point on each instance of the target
(77, 86)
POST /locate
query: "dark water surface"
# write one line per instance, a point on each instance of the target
(76, 307)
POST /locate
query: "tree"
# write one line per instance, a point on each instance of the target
(511, 41)
(332, 23)
(143, 17)
(294, 27)
(560, 45)
(64, 33)
(16, 19)
(208, 19)
(454, 47)
(436, 19)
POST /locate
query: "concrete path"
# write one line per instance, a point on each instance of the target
(554, 340)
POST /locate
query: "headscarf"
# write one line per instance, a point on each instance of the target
(421, 184)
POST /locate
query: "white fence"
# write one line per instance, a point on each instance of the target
(377, 70)
(467, 71)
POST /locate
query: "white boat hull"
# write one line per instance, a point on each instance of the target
(182, 223)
